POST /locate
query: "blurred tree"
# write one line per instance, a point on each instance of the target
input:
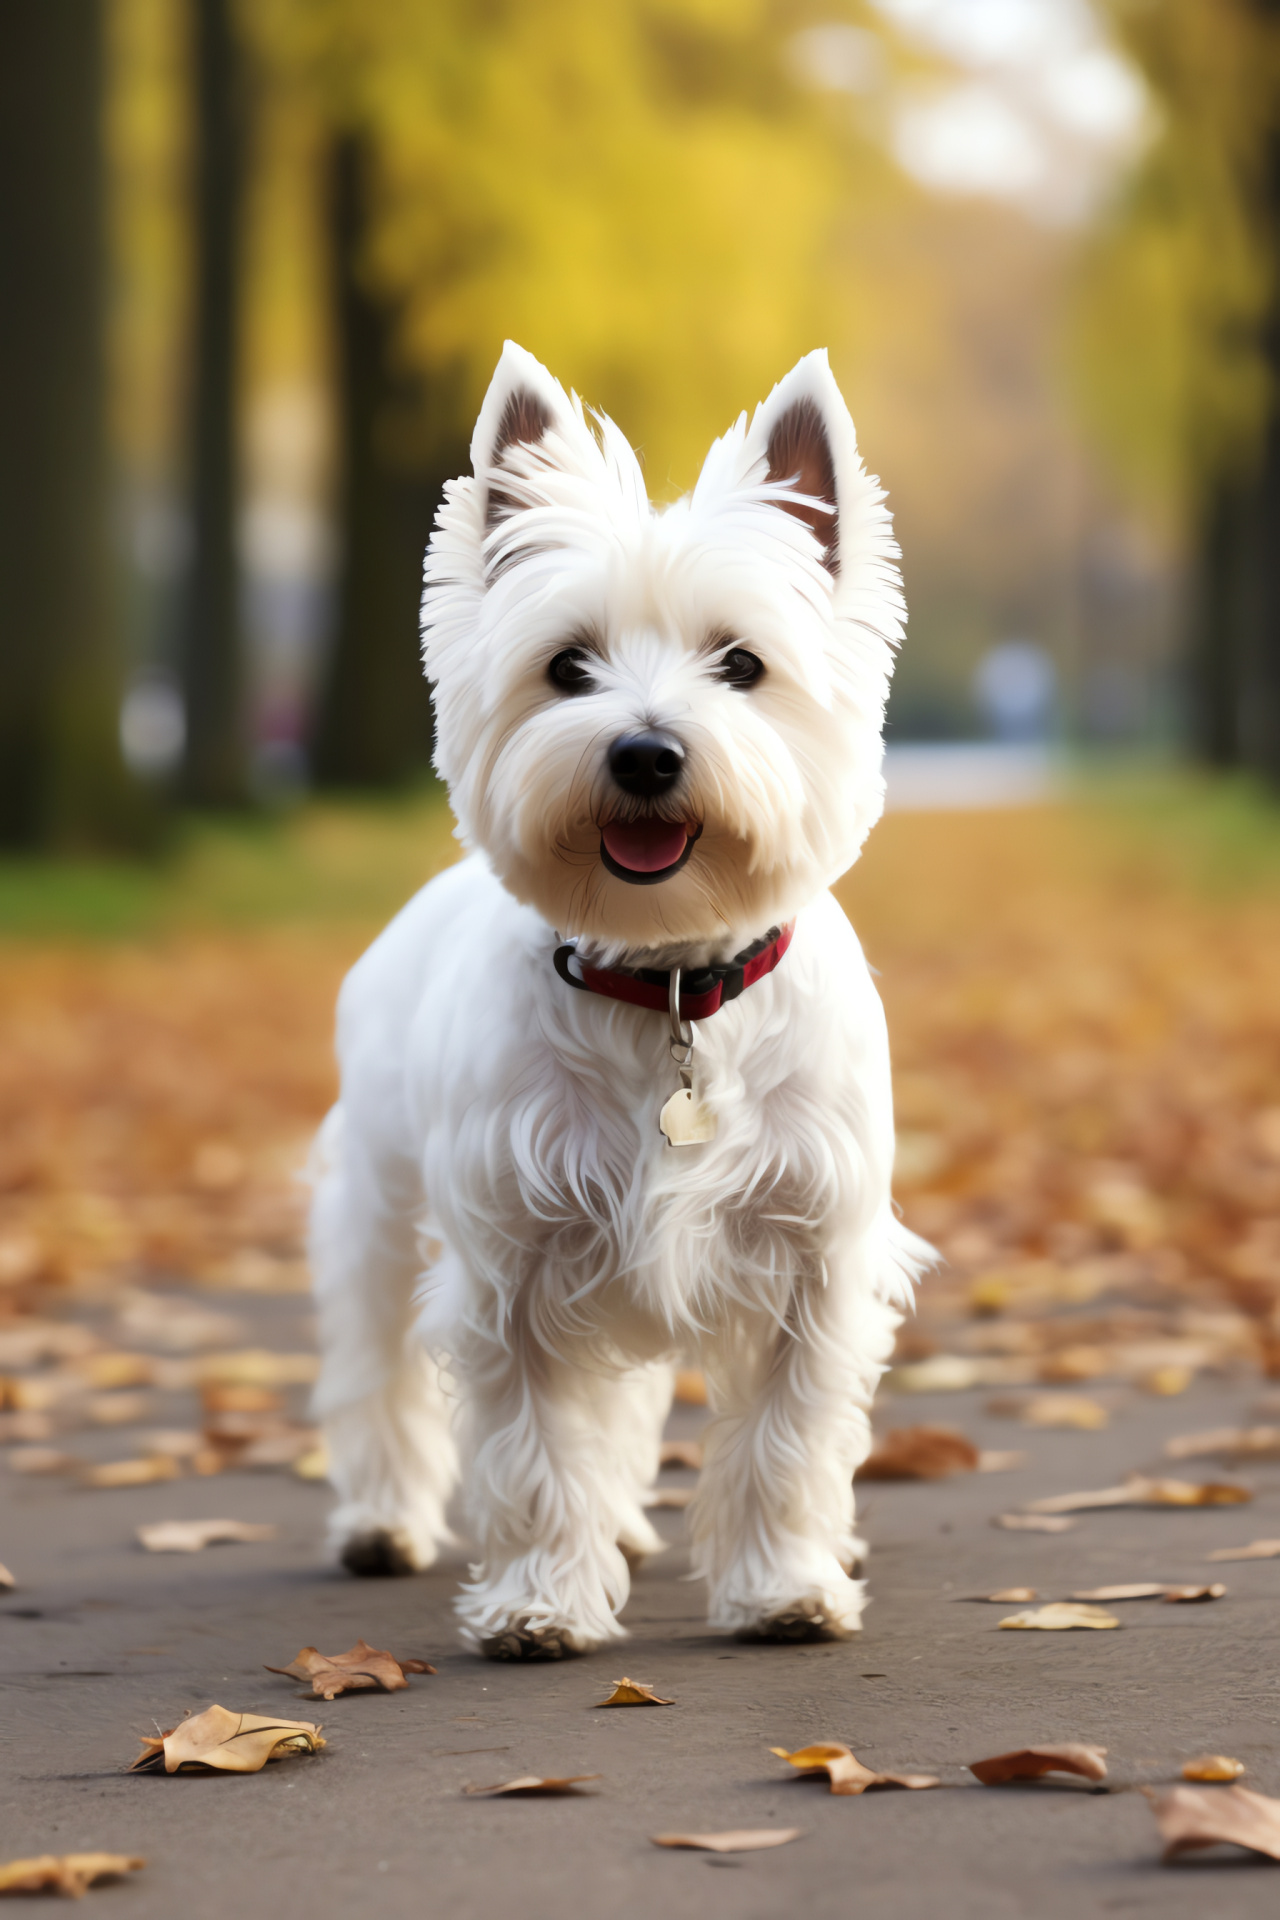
(62, 777)
(645, 194)
(1179, 342)
(215, 766)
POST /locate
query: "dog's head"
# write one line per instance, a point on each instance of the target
(663, 727)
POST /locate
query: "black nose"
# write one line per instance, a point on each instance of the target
(646, 764)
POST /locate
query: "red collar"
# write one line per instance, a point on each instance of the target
(703, 990)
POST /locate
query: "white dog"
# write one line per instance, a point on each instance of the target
(616, 1088)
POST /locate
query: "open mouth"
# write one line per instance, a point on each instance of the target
(646, 851)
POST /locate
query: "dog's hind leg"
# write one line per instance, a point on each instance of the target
(387, 1423)
(634, 1412)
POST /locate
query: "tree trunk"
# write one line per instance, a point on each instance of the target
(62, 777)
(215, 765)
(398, 443)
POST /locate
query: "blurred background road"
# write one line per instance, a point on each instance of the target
(256, 264)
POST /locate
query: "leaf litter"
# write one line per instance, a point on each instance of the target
(1256, 1550)
(1190, 1818)
(846, 1774)
(633, 1693)
(1213, 1766)
(534, 1783)
(1034, 1522)
(1154, 1590)
(1060, 1616)
(919, 1453)
(69, 1873)
(219, 1741)
(1033, 1763)
(193, 1536)
(1140, 1491)
(361, 1669)
(736, 1840)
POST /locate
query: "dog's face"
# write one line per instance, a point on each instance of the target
(663, 728)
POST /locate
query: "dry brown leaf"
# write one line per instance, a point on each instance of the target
(1259, 1443)
(675, 1498)
(1064, 1410)
(112, 1368)
(360, 1670)
(1215, 1767)
(117, 1408)
(691, 1387)
(633, 1693)
(1256, 1550)
(219, 1741)
(919, 1453)
(1014, 1596)
(1032, 1763)
(192, 1536)
(24, 1426)
(1139, 1491)
(845, 1773)
(1137, 1590)
(1000, 1460)
(535, 1783)
(1213, 1591)
(1190, 1818)
(1059, 1616)
(131, 1473)
(7, 1581)
(257, 1367)
(313, 1465)
(42, 1460)
(736, 1840)
(69, 1873)
(681, 1453)
(225, 1397)
(1033, 1522)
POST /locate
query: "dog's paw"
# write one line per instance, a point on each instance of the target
(521, 1641)
(380, 1554)
(812, 1619)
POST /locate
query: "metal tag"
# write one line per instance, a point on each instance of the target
(685, 1121)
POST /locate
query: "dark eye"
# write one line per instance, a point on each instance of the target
(569, 671)
(738, 668)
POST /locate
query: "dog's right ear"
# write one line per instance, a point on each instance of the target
(522, 406)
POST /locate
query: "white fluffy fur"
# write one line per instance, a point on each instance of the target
(493, 1188)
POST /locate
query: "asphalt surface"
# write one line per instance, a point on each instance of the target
(102, 1642)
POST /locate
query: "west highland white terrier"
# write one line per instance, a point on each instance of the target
(615, 1088)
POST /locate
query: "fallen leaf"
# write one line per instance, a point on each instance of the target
(116, 1408)
(1256, 1550)
(919, 1453)
(534, 1783)
(192, 1536)
(997, 1460)
(681, 1453)
(257, 1367)
(1033, 1523)
(1167, 1381)
(226, 1397)
(1174, 1595)
(847, 1774)
(115, 1369)
(131, 1473)
(24, 1426)
(1189, 1818)
(1013, 1596)
(1138, 1590)
(360, 1669)
(1212, 1766)
(313, 1465)
(633, 1693)
(219, 1741)
(691, 1387)
(7, 1581)
(1060, 1616)
(1032, 1763)
(1139, 1491)
(942, 1373)
(42, 1460)
(1064, 1410)
(737, 1840)
(1260, 1443)
(70, 1873)
(673, 1497)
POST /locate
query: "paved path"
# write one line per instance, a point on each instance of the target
(102, 1641)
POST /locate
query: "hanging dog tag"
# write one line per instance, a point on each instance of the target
(685, 1121)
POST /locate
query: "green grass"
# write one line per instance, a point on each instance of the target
(355, 861)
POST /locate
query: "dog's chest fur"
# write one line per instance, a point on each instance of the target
(532, 1111)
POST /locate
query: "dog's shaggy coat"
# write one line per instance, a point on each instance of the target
(508, 1255)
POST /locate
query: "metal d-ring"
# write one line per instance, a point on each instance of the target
(681, 1031)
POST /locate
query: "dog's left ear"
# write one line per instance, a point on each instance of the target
(806, 437)
(524, 403)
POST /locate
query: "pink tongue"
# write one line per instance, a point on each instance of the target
(645, 846)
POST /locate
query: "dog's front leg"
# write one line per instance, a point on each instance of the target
(546, 1488)
(773, 1520)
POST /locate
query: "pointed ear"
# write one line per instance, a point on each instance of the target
(807, 439)
(521, 407)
